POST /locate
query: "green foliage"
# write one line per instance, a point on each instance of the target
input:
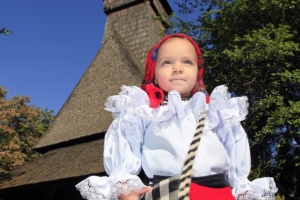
(253, 47)
(20, 127)
(5, 31)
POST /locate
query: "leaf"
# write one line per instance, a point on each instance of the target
(21, 124)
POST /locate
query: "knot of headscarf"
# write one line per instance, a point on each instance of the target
(155, 94)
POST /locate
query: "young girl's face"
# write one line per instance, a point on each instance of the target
(176, 66)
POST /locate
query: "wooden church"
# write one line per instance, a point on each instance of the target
(72, 146)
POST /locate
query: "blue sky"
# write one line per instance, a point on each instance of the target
(52, 44)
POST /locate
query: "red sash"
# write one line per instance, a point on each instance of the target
(198, 192)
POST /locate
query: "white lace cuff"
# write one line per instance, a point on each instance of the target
(126, 187)
(100, 188)
(124, 183)
(89, 188)
(258, 189)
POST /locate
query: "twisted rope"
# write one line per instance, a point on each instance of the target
(185, 178)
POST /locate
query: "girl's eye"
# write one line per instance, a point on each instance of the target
(166, 62)
(188, 62)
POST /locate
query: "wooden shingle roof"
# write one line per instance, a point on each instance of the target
(137, 27)
(78, 160)
(83, 113)
(110, 6)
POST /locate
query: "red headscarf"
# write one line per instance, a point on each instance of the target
(155, 94)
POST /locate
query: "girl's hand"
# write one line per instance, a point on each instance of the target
(135, 195)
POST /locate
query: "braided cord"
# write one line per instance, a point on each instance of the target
(185, 178)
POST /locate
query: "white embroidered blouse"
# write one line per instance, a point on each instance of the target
(157, 140)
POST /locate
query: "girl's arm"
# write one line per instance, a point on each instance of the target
(122, 162)
(243, 189)
(225, 115)
(122, 155)
(122, 150)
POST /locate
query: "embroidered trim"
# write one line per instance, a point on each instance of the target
(131, 127)
(199, 106)
(115, 103)
(88, 192)
(268, 194)
(240, 182)
(166, 115)
(136, 102)
(165, 125)
(218, 111)
(126, 187)
(251, 195)
(222, 91)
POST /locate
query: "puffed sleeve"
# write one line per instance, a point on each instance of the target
(224, 116)
(122, 149)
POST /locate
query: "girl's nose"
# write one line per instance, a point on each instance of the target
(177, 68)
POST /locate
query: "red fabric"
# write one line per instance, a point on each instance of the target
(156, 98)
(198, 192)
(156, 95)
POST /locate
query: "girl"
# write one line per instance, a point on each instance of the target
(153, 128)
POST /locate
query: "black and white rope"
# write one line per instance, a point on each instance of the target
(178, 187)
(186, 175)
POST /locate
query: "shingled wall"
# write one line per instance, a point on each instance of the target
(137, 27)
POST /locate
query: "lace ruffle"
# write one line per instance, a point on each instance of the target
(240, 182)
(88, 191)
(251, 195)
(268, 193)
(222, 110)
(225, 113)
(133, 100)
(115, 103)
(198, 103)
(127, 97)
(126, 186)
(221, 100)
